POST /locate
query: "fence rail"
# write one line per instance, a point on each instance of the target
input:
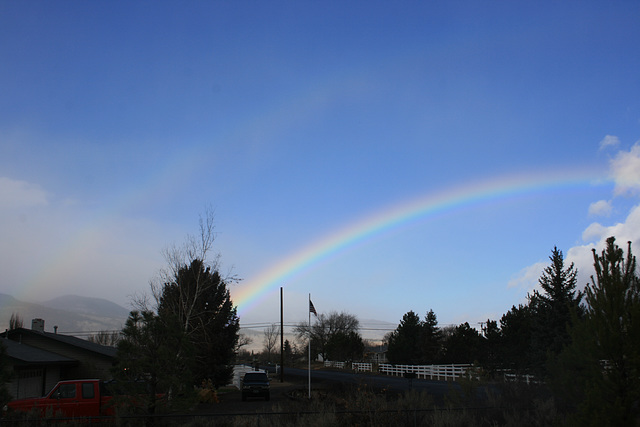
(437, 372)
(362, 367)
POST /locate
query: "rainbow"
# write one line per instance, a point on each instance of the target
(254, 290)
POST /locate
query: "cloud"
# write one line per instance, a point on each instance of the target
(20, 194)
(593, 232)
(528, 277)
(625, 169)
(609, 141)
(600, 208)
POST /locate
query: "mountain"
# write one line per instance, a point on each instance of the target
(90, 306)
(72, 314)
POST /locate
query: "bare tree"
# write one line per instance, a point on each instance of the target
(243, 340)
(176, 257)
(191, 289)
(15, 321)
(108, 338)
(325, 328)
(271, 335)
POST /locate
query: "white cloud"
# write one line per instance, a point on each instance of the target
(629, 230)
(20, 194)
(625, 168)
(596, 236)
(593, 232)
(528, 277)
(600, 208)
(609, 141)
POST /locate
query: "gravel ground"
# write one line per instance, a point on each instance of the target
(231, 400)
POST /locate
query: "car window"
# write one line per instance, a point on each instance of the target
(65, 391)
(257, 376)
(87, 391)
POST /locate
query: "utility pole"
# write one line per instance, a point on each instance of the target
(281, 340)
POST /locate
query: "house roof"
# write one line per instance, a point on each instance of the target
(26, 354)
(66, 339)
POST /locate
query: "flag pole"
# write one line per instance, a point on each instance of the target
(309, 310)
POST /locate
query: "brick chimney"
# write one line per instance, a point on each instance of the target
(37, 325)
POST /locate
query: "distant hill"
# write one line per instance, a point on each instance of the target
(74, 315)
(85, 305)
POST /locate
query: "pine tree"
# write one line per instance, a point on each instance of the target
(431, 338)
(599, 373)
(552, 311)
(200, 300)
(404, 345)
(157, 351)
(515, 339)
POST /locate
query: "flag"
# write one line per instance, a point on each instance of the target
(312, 309)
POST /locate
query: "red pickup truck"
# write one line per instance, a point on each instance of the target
(69, 399)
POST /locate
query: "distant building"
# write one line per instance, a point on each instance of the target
(40, 359)
(376, 353)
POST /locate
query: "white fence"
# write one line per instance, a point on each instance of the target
(362, 367)
(356, 366)
(332, 364)
(432, 372)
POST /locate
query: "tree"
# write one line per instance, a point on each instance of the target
(108, 338)
(288, 352)
(515, 339)
(405, 342)
(552, 310)
(415, 341)
(491, 353)
(324, 328)
(271, 335)
(199, 299)
(463, 345)
(155, 350)
(431, 338)
(15, 321)
(598, 372)
(243, 340)
(345, 346)
(190, 290)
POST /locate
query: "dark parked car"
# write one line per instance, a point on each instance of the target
(255, 384)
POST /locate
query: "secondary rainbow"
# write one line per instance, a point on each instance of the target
(422, 208)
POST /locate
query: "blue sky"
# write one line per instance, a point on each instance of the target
(121, 122)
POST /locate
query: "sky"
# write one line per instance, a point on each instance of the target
(381, 157)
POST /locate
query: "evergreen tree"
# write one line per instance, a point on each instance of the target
(491, 353)
(345, 346)
(463, 345)
(157, 351)
(431, 339)
(552, 311)
(404, 347)
(515, 339)
(199, 299)
(599, 373)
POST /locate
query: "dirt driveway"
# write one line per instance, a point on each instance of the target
(231, 400)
